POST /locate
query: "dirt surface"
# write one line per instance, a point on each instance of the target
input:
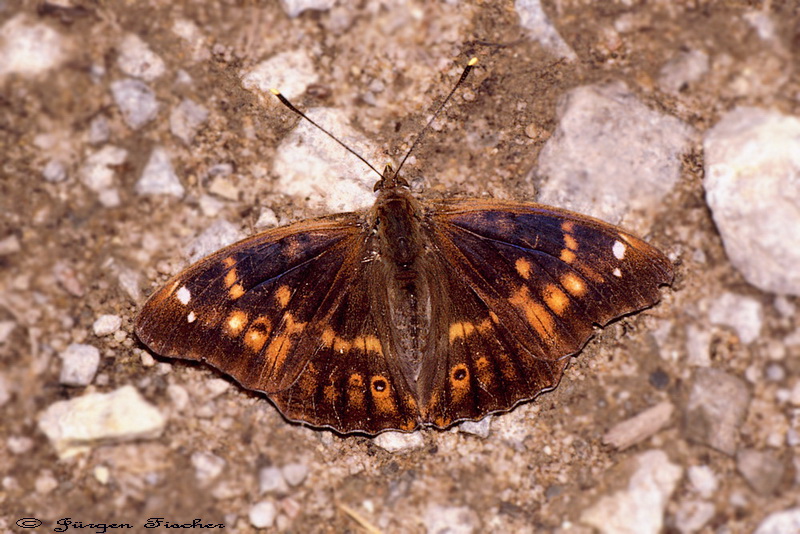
(544, 462)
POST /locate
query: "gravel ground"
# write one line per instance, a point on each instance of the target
(138, 136)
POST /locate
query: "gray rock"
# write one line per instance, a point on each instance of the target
(221, 233)
(440, 519)
(312, 166)
(605, 133)
(692, 516)
(54, 171)
(481, 428)
(79, 364)
(698, 346)
(289, 72)
(106, 325)
(138, 60)
(743, 314)
(75, 425)
(751, 183)
(716, 408)
(761, 469)
(270, 480)
(158, 177)
(295, 473)
(639, 508)
(99, 130)
(640, 427)
(136, 101)
(533, 18)
(780, 522)
(293, 8)
(399, 442)
(263, 514)
(186, 118)
(682, 70)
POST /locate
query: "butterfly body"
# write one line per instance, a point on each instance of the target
(413, 313)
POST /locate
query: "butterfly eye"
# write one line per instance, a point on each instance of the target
(379, 384)
(459, 372)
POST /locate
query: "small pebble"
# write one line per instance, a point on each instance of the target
(6, 327)
(137, 59)
(5, 390)
(29, 47)
(99, 130)
(106, 324)
(79, 365)
(761, 469)
(295, 474)
(158, 176)
(439, 519)
(19, 444)
(54, 171)
(703, 480)
(782, 522)
(270, 480)
(743, 314)
(186, 118)
(639, 427)
(262, 514)
(207, 466)
(136, 101)
(45, 483)
(399, 442)
(179, 396)
(481, 428)
(717, 406)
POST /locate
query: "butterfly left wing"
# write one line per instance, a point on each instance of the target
(529, 282)
(289, 313)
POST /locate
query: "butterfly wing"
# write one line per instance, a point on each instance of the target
(528, 282)
(277, 312)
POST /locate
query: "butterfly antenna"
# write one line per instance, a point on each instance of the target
(289, 105)
(472, 62)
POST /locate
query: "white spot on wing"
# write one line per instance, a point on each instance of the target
(617, 273)
(619, 249)
(191, 317)
(183, 295)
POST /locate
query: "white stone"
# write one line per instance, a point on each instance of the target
(45, 483)
(293, 8)
(267, 219)
(262, 514)
(295, 473)
(717, 406)
(289, 72)
(703, 480)
(137, 59)
(54, 171)
(480, 428)
(106, 325)
(698, 346)
(752, 182)
(179, 396)
(399, 442)
(692, 516)
(639, 508)
(780, 522)
(79, 364)
(6, 327)
(639, 427)
(186, 118)
(158, 177)
(29, 48)
(743, 314)
(19, 444)
(440, 519)
(75, 425)
(312, 166)
(207, 466)
(99, 130)
(533, 18)
(606, 133)
(97, 172)
(5, 390)
(270, 480)
(136, 101)
(682, 70)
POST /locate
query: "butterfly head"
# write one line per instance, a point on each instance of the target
(389, 180)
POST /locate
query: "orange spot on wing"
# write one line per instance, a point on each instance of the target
(382, 395)
(523, 268)
(459, 381)
(570, 242)
(229, 262)
(236, 291)
(555, 299)
(282, 295)
(328, 335)
(567, 255)
(537, 315)
(460, 329)
(231, 277)
(568, 226)
(373, 344)
(573, 284)
(236, 322)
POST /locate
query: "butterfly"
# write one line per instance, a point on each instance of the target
(413, 313)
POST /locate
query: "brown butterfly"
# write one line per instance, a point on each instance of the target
(413, 313)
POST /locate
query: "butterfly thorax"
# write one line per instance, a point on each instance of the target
(401, 258)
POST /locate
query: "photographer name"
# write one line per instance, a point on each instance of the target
(66, 523)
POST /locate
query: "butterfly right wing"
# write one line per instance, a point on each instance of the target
(527, 284)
